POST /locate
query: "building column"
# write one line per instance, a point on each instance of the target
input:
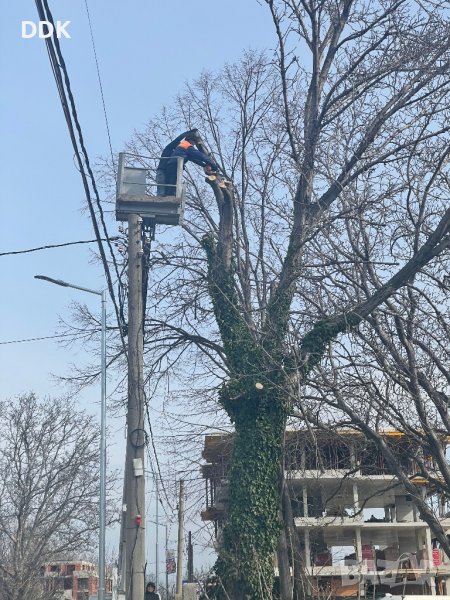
(358, 558)
(358, 545)
(306, 537)
(419, 545)
(447, 586)
(307, 550)
(429, 558)
(307, 561)
(355, 498)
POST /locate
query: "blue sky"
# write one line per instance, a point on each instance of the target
(146, 50)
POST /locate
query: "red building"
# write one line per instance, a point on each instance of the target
(77, 580)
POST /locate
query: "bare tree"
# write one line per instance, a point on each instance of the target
(392, 374)
(325, 251)
(49, 490)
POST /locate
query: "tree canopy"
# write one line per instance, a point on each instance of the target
(321, 273)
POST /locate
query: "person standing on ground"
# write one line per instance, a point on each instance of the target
(150, 593)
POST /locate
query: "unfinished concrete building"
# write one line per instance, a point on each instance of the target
(360, 531)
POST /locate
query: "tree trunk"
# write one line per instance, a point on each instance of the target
(286, 542)
(246, 559)
(283, 566)
(299, 592)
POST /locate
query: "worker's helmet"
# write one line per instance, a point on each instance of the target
(193, 137)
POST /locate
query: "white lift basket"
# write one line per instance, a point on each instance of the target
(138, 186)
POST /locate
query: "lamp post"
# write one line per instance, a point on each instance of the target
(101, 544)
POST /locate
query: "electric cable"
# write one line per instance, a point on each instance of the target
(47, 337)
(101, 86)
(54, 246)
(156, 456)
(146, 246)
(147, 240)
(58, 64)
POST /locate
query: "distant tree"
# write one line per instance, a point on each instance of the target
(49, 461)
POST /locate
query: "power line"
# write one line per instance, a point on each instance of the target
(48, 337)
(100, 84)
(55, 246)
(156, 457)
(58, 65)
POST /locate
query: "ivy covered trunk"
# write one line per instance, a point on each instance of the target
(254, 400)
(250, 535)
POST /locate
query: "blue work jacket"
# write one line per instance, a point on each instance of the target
(190, 152)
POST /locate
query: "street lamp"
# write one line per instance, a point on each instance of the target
(101, 545)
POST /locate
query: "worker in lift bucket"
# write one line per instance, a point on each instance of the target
(165, 155)
(186, 150)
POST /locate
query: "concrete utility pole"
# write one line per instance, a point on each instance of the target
(179, 588)
(157, 534)
(136, 436)
(167, 572)
(135, 202)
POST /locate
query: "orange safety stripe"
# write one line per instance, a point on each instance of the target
(185, 144)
